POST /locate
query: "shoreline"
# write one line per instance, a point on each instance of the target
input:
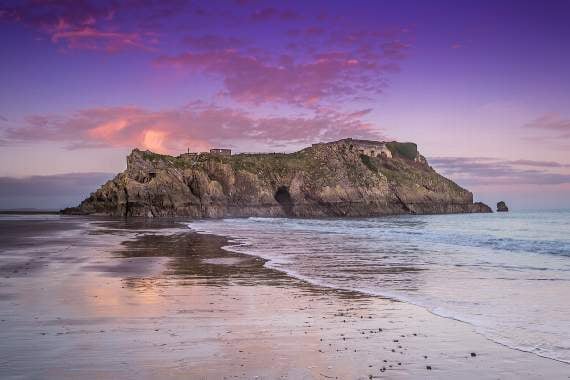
(155, 301)
(230, 244)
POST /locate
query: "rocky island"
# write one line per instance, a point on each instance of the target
(353, 178)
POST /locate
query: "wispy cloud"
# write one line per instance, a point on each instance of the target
(492, 171)
(90, 38)
(83, 24)
(552, 122)
(197, 125)
(339, 72)
(248, 78)
(306, 65)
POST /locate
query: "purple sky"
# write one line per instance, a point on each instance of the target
(482, 87)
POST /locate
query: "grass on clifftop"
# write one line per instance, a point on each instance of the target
(276, 162)
(175, 161)
(405, 150)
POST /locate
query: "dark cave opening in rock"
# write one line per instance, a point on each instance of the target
(283, 197)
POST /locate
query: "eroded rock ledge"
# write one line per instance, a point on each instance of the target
(326, 180)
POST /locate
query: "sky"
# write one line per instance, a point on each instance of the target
(482, 87)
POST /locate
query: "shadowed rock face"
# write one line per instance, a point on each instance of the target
(283, 197)
(324, 180)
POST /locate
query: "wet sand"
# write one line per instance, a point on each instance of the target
(89, 298)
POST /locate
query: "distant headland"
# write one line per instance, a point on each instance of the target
(344, 178)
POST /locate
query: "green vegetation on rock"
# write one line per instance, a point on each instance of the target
(404, 150)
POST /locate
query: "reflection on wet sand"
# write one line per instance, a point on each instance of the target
(191, 257)
(151, 300)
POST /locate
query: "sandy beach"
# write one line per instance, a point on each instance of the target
(99, 299)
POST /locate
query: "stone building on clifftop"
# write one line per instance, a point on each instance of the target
(366, 147)
(221, 152)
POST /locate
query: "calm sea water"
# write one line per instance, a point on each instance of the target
(508, 275)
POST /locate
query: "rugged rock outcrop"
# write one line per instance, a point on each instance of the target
(502, 207)
(332, 179)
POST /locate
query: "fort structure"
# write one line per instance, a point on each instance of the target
(221, 152)
(367, 147)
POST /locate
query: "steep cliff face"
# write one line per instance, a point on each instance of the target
(332, 179)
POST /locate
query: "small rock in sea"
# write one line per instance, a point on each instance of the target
(502, 207)
(473, 354)
(428, 367)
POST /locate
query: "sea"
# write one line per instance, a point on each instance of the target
(505, 274)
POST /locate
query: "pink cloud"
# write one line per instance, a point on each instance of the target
(552, 122)
(79, 24)
(252, 78)
(92, 39)
(197, 126)
(311, 66)
(493, 171)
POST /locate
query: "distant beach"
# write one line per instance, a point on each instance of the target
(103, 298)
